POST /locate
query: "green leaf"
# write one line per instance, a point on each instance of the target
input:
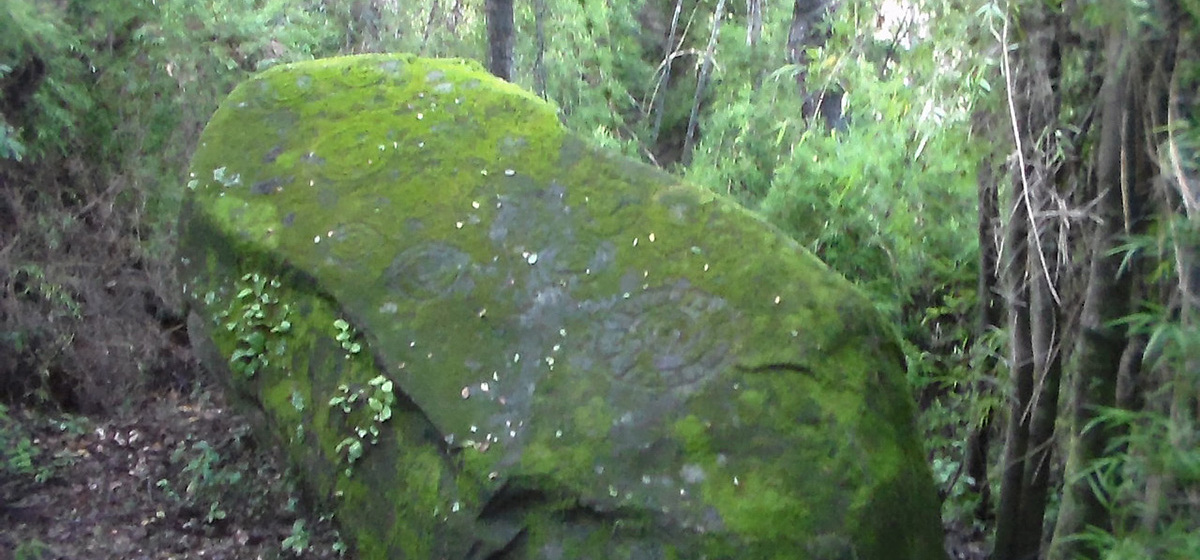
(239, 353)
(257, 341)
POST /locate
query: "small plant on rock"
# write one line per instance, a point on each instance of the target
(367, 408)
(256, 317)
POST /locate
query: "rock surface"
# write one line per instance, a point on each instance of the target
(478, 337)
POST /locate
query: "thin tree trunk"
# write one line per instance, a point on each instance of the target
(665, 83)
(457, 16)
(539, 63)
(991, 314)
(434, 8)
(753, 22)
(1101, 343)
(365, 32)
(1184, 407)
(806, 31)
(1045, 318)
(1032, 296)
(500, 38)
(1021, 366)
(689, 141)
(979, 442)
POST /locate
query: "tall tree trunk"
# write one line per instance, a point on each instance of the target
(1170, 94)
(500, 38)
(1032, 295)
(1185, 406)
(1045, 330)
(1046, 316)
(1021, 373)
(989, 318)
(689, 141)
(1101, 342)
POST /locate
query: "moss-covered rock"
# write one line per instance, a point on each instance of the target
(475, 334)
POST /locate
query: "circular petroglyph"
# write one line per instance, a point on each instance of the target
(429, 271)
(349, 153)
(673, 338)
(365, 77)
(351, 244)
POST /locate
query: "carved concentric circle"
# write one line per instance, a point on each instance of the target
(429, 271)
(675, 338)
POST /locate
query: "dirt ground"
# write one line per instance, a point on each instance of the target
(175, 477)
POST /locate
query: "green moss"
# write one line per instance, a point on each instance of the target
(660, 370)
(256, 220)
(693, 432)
(593, 418)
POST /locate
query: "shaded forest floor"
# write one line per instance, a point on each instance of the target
(175, 477)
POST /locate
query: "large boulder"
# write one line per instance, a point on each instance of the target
(478, 337)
